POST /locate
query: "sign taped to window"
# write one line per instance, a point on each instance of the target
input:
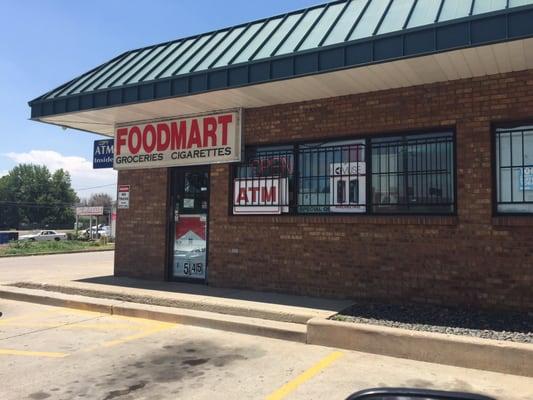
(525, 178)
(347, 187)
(265, 195)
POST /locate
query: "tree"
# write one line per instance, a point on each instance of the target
(29, 194)
(62, 192)
(100, 199)
(8, 212)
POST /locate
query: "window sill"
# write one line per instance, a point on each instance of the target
(347, 219)
(513, 220)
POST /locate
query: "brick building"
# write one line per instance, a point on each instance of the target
(363, 149)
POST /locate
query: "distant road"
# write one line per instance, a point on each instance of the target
(56, 267)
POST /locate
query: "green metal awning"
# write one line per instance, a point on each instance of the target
(329, 37)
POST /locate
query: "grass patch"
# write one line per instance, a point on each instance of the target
(63, 246)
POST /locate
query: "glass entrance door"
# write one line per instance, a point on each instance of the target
(190, 200)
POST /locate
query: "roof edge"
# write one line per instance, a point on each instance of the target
(472, 31)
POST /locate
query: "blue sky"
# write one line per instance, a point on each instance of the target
(46, 43)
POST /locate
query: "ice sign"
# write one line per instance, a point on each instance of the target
(525, 178)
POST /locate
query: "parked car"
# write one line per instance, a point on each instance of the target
(41, 236)
(98, 231)
(93, 228)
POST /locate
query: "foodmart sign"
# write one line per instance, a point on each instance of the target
(205, 139)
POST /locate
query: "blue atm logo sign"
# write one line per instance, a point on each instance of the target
(103, 153)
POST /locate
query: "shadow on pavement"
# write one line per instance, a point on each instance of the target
(210, 291)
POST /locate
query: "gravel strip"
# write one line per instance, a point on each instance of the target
(511, 326)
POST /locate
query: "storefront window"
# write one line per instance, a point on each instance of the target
(404, 174)
(514, 170)
(413, 174)
(331, 177)
(263, 183)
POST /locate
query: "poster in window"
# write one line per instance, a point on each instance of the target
(190, 247)
(347, 188)
(265, 195)
(525, 177)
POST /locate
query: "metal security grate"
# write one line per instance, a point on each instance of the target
(264, 181)
(514, 169)
(332, 177)
(401, 174)
(413, 174)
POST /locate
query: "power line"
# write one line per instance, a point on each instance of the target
(42, 205)
(36, 205)
(96, 187)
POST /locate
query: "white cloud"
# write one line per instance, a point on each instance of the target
(81, 170)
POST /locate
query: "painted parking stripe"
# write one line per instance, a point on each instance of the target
(147, 329)
(5, 321)
(140, 335)
(290, 386)
(11, 352)
(75, 325)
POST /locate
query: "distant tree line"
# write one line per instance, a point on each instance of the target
(97, 199)
(31, 195)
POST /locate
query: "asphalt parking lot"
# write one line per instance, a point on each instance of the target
(56, 266)
(58, 353)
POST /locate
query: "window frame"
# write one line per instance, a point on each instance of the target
(495, 126)
(365, 143)
(404, 141)
(233, 177)
(367, 137)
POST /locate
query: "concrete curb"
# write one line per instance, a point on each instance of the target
(56, 252)
(499, 356)
(41, 297)
(262, 311)
(466, 352)
(231, 323)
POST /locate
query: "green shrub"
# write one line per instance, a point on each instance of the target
(27, 247)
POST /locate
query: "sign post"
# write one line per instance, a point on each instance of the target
(89, 212)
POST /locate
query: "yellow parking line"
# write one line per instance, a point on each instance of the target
(145, 326)
(290, 386)
(135, 336)
(74, 325)
(149, 328)
(5, 321)
(10, 352)
(143, 322)
(78, 311)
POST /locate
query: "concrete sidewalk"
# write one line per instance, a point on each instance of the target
(263, 305)
(293, 318)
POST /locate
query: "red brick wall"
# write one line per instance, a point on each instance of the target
(472, 259)
(142, 229)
